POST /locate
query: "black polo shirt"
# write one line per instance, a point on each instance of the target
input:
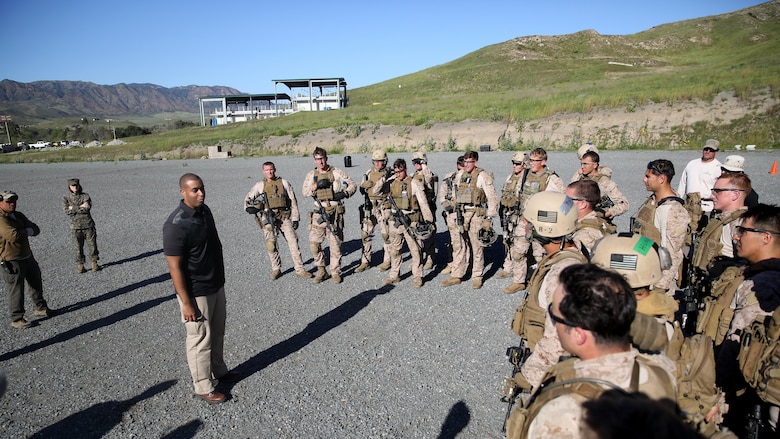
(192, 234)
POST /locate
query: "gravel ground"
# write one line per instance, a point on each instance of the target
(354, 360)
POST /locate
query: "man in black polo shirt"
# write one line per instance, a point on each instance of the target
(194, 254)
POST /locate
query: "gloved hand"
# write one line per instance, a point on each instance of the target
(323, 184)
(487, 224)
(252, 210)
(295, 225)
(389, 174)
(339, 196)
(522, 383)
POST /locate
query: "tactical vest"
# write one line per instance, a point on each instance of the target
(708, 245)
(401, 191)
(645, 219)
(325, 194)
(535, 183)
(373, 176)
(528, 321)
(509, 196)
(759, 357)
(715, 316)
(428, 190)
(276, 194)
(605, 202)
(561, 379)
(597, 223)
(468, 192)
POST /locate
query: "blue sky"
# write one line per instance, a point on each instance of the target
(246, 44)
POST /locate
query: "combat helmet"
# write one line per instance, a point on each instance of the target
(379, 155)
(520, 156)
(420, 156)
(635, 256)
(487, 237)
(424, 230)
(586, 148)
(552, 214)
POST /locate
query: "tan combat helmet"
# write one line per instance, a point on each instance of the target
(379, 155)
(634, 256)
(420, 156)
(519, 157)
(586, 148)
(551, 213)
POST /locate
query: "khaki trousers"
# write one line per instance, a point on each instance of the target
(318, 233)
(397, 237)
(205, 342)
(292, 243)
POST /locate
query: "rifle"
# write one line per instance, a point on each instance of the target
(268, 214)
(517, 356)
(320, 209)
(691, 295)
(364, 210)
(508, 224)
(754, 423)
(458, 210)
(402, 219)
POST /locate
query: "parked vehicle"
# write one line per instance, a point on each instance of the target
(40, 144)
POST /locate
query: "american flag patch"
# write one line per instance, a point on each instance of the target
(623, 262)
(547, 216)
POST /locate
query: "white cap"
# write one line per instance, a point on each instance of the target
(734, 163)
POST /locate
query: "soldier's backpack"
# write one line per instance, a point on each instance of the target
(697, 392)
(759, 357)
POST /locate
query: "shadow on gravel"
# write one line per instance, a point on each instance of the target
(187, 430)
(314, 330)
(457, 419)
(87, 327)
(96, 421)
(112, 294)
(134, 258)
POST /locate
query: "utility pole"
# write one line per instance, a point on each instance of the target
(5, 119)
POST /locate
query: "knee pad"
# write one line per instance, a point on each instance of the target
(364, 235)
(386, 238)
(270, 245)
(518, 256)
(314, 247)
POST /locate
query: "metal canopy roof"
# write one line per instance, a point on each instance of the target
(243, 99)
(299, 83)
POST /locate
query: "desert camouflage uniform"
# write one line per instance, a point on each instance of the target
(607, 187)
(417, 209)
(376, 217)
(560, 418)
(341, 182)
(548, 350)
(457, 243)
(671, 221)
(285, 216)
(428, 178)
(586, 236)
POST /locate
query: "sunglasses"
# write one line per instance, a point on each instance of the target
(536, 160)
(586, 163)
(718, 190)
(709, 150)
(741, 230)
(561, 320)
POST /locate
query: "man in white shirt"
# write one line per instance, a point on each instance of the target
(700, 174)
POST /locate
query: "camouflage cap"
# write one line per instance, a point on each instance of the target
(73, 182)
(420, 156)
(520, 157)
(8, 195)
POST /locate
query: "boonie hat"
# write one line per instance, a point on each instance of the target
(712, 143)
(8, 195)
(734, 163)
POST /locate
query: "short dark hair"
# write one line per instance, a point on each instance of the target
(599, 300)
(538, 152)
(587, 189)
(461, 161)
(662, 167)
(765, 216)
(320, 151)
(269, 164)
(399, 163)
(471, 155)
(187, 177)
(593, 155)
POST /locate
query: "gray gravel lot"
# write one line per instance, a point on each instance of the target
(351, 360)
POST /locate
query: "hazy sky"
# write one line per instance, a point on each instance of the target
(246, 44)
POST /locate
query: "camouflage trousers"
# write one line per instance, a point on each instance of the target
(79, 237)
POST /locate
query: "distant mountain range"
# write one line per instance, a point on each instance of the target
(47, 100)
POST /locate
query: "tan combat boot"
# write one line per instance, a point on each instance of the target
(384, 266)
(95, 266)
(80, 268)
(362, 267)
(450, 281)
(321, 275)
(514, 287)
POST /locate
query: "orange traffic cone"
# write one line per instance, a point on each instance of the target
(773, 171)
